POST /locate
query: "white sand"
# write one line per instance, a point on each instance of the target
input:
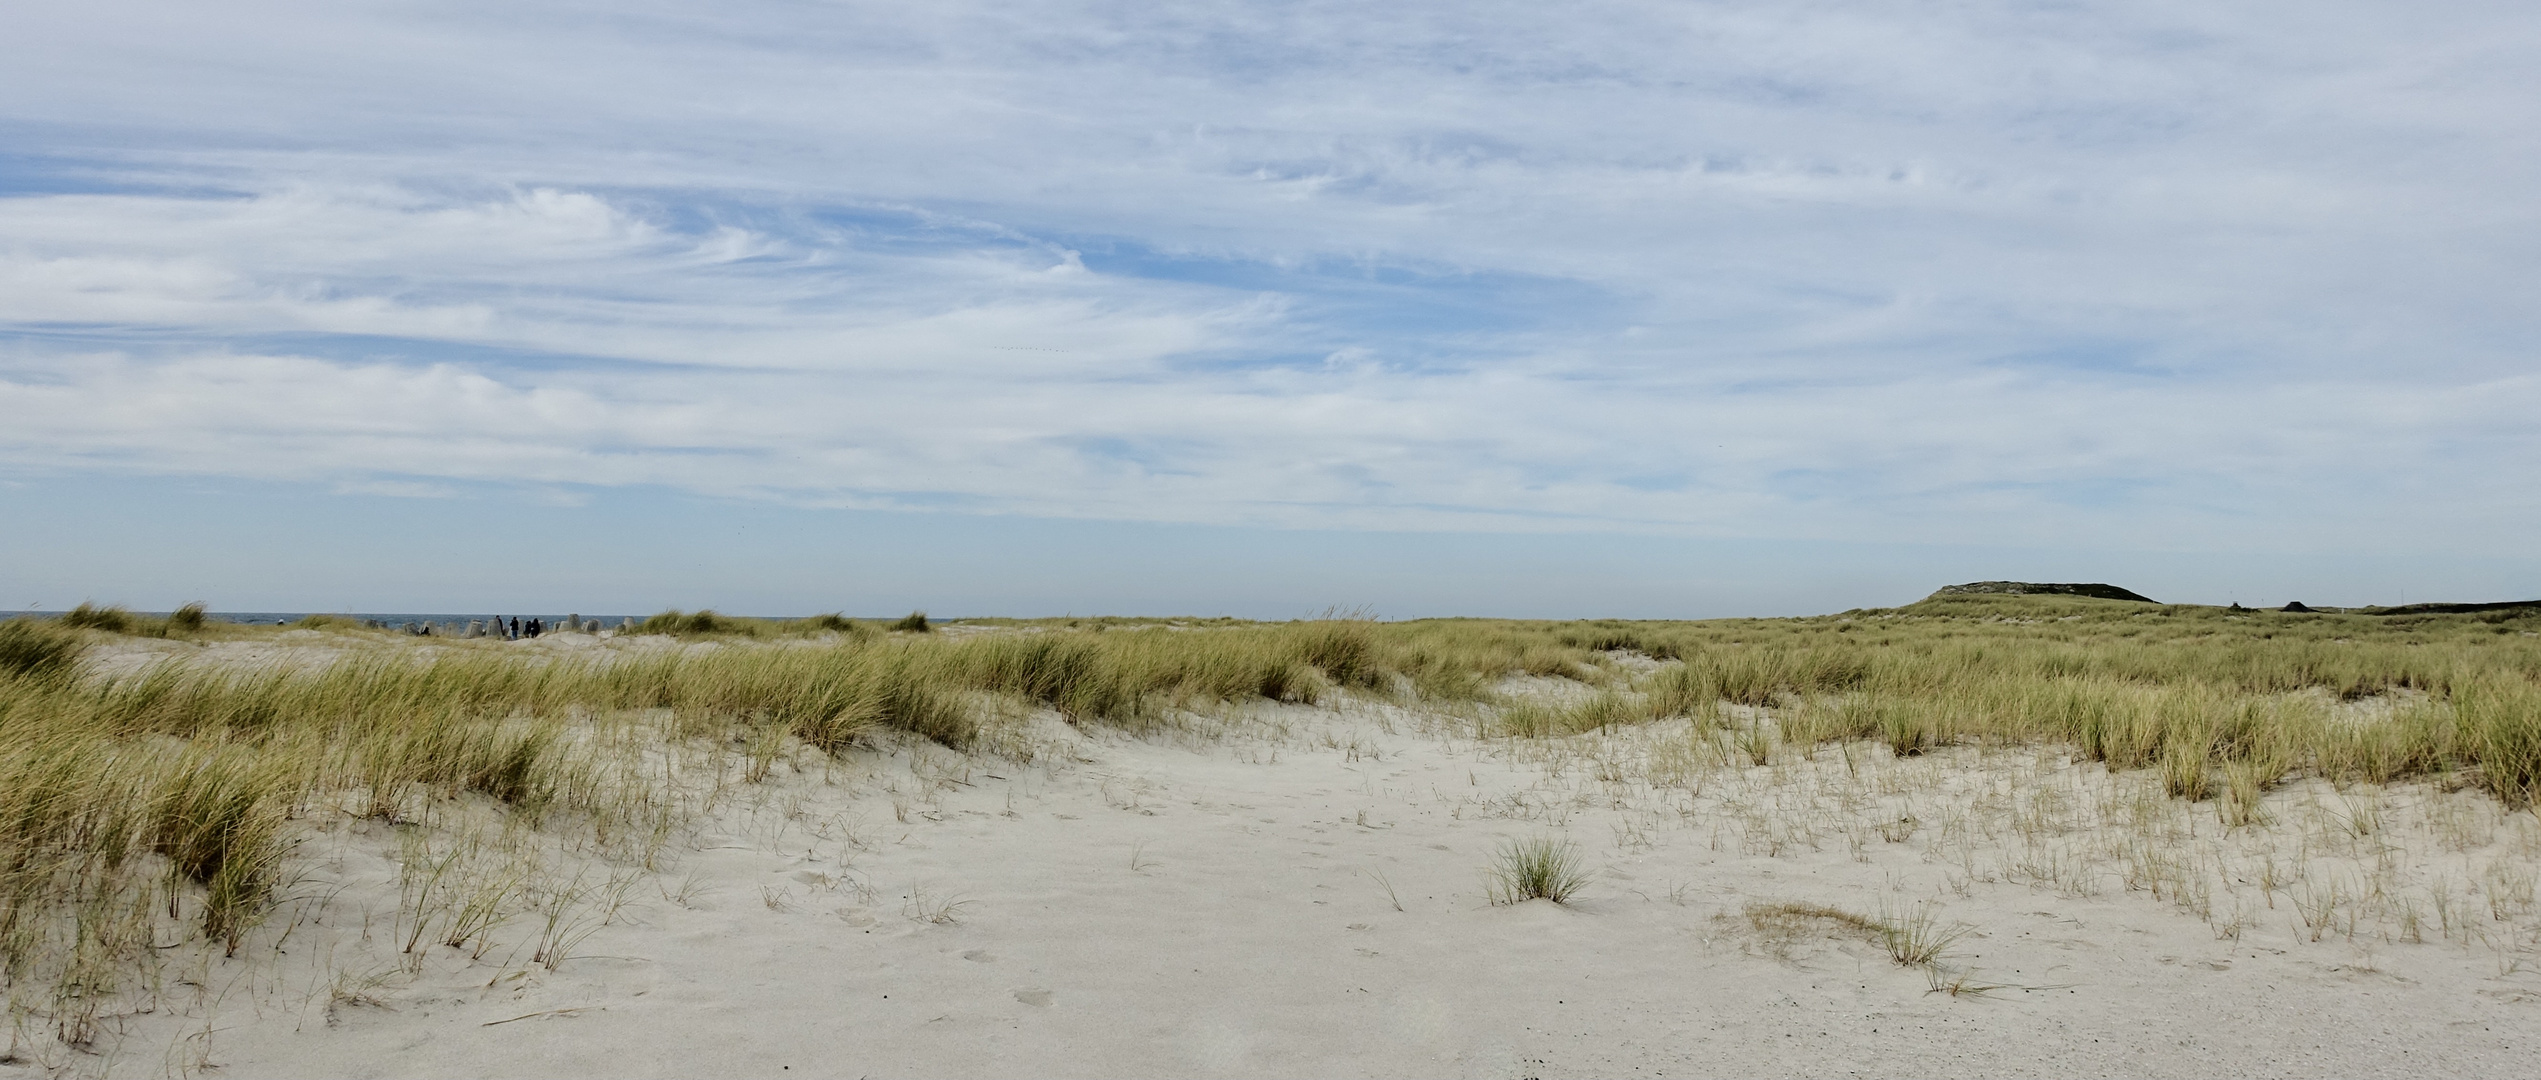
(1213, 907)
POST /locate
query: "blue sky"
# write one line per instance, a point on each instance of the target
(1606, 308)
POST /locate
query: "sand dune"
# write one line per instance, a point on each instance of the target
(1301, 892)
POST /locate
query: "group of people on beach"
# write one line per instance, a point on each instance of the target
(517, 630)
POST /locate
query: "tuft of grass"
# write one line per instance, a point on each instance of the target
(1344, 648)
(1134, 677)
(571, 913)
(1787, 918)
(2500, 728)
(2245, 791)
(114, 619)
(1780, 927)
(33, 649)
(87, 616)
(1606, 708)
(1756, 741)
(1916, 940)
(1540, 868)
(913, 623)
(1957, 983)
(683, 623)
(921, 905)
(220, 814)
(1907, 731)
(2184, 770)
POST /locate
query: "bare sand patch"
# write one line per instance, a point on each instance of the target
(1292, 891)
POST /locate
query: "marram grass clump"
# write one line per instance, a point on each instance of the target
(33, 649)
(87, 616)
(1539, 868)
(114, 619)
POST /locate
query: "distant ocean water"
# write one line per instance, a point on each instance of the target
(394, 620)
(441, 622)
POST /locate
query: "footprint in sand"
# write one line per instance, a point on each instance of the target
(1034, 997)
(980, 956)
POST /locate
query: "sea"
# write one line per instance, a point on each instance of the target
(443, 624)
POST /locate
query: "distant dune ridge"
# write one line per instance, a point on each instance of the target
(2112, 592)
(2454, 609)
(2028, 588)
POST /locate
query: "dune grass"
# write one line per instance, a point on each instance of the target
(1537, 868)
(186, 621)
(32, 649)
(711, 624)
(169, 795)
(173, 787)
(2225, 703)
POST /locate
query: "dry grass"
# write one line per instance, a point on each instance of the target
(1916, 939)
(1781, 926)
(2225, 704)
(167, 800)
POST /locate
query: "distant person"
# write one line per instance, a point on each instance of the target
(533, 628)
(515, 634)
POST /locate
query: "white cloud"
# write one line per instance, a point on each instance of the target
(569, 273)
(2184, 274)
(2005, 459)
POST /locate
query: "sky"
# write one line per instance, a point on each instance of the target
(1597, 309)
